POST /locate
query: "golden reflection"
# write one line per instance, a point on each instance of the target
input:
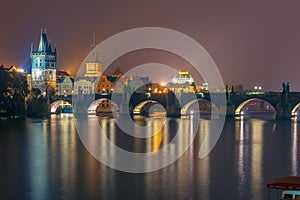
(256, 156)
(205, 162)
(158, 135)
(294, 149)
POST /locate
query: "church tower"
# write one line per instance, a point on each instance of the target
(92, 66)
(43, 66)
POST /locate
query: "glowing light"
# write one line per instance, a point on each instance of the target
(163, 83)
(183, 73)
(257, 87)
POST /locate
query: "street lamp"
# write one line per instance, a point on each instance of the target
(257, 88)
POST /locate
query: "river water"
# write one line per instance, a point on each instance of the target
(45, 159)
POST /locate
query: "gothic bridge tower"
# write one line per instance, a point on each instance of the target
(43, 66)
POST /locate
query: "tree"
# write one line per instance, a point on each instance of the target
(37, 104)
(13, 91)
(35, 92)
(4, 79)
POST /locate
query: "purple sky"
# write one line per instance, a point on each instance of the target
(254, 42)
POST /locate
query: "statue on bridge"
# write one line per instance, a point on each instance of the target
(285, 87)
(285, 91)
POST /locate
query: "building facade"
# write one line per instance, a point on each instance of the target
(182, 82)
(83, 86)
(64, 86)
(43, 66)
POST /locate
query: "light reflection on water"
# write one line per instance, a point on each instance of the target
(45, 159)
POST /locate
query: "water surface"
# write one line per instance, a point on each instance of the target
(45, 159)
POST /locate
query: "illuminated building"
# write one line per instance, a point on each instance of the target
(203, 88)
(158, 88)
(88, 83)
(43, 66)
(182, 77)
(182, 82)
(82, 86)
(64, 86)
(106, 84)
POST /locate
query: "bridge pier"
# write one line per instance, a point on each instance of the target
(283, 110)
(230, 109)
(172, 105)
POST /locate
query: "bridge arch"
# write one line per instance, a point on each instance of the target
(294, 110)
(138, 108)
(92, 109)
(54, 106)
(186, 107)
(239, 109)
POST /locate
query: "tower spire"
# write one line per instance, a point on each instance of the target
(94, 50)
(43, 45)
(94, 41)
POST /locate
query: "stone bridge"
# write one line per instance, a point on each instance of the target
(284, 104)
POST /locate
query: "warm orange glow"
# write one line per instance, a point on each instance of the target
(163, 83)
(156, 141)
(20, 70)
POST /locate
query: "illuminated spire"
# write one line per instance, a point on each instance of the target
(94, 41)
(94, 49)
(43, 45)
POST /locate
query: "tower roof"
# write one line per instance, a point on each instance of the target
(44, 45)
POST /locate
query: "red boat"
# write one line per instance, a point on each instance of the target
(290, 186)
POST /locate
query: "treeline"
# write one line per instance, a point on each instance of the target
(16, 99)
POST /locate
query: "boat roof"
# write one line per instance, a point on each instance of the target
(285, 183)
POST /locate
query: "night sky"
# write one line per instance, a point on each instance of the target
(253, 43)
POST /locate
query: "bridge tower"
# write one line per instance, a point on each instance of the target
(93, 67)
(43, 66)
